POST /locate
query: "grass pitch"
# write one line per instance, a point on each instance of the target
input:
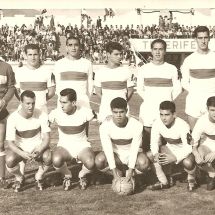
(100, 199)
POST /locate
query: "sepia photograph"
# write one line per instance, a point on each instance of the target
(107, 107)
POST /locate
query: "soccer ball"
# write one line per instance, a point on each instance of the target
(123, 187)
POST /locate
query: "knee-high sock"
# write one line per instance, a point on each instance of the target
(84, 171)
(2, 164)
(16, 172)
(160, 173)
(191, 174)
(41, 171)
(22, 167)
(64, 170)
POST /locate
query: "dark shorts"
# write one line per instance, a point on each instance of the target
(3, 114)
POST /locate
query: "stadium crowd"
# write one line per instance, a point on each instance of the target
(94, 38)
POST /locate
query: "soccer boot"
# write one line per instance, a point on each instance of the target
(210, 184)
(67, 183)
(18, 185)
(40, 185)
(4, 184)
(83, 183)
(159, 186)
(191, 185)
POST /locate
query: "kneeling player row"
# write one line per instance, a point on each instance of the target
(28, 136)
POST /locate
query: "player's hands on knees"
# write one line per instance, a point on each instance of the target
(26, 155)
(210, 157)
(165, 159)
(116, 175)
(199, 158)
(129, 174)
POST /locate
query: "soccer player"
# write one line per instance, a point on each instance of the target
(74, 71)
(28, 136)
(121, 138)
(204, 142)
(157, 81)
(7, 90)
(198, 76)
(174, 131)
(113, 80)
(35, 77)
(71, 121)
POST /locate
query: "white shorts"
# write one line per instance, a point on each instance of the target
(180, 151)
(196, 104)
(149, 112)
(30, 146)
(124, 155)
(75, 149)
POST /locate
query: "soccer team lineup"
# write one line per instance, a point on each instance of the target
(157, 141)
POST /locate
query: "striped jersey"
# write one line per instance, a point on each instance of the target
(75, 74)
(22, 130)
(7, 80)
(176, 134)
(121, 140)
(158, 82)
(37, 80)
(198, 73)
(71, 127)
(114, 82)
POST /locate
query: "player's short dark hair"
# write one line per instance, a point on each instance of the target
(118, 103)
(31, 46)
(211, 101)
(113, 46)
(70, 93)
(27, 93)
(201, 29)
(73, 38)
(159, 41)
(168, 105)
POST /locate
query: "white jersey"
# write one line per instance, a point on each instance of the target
(121, 140)
(36, 80)
(175, 136)
(155, 84)
(204, 129)
(75, 74)
(114, 83)
(71, 128)
(198, 73)
(158, 82)
(27, 131)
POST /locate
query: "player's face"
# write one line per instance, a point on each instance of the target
(119, 116)
(158, 52)
(115, 57)
(28, 105)
(66, 105)
(73, 48)
(211, 111)
(33, 58)
(202, 40)
(167, 117)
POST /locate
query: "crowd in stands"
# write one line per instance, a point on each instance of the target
(94, 38)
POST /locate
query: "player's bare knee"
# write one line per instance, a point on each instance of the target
(47, 157)
(100, 161)
(89, 163)
(188, 163)
(10, 161)
(142, 163)
(57, 160)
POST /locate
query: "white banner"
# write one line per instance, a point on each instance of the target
(173, 45)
